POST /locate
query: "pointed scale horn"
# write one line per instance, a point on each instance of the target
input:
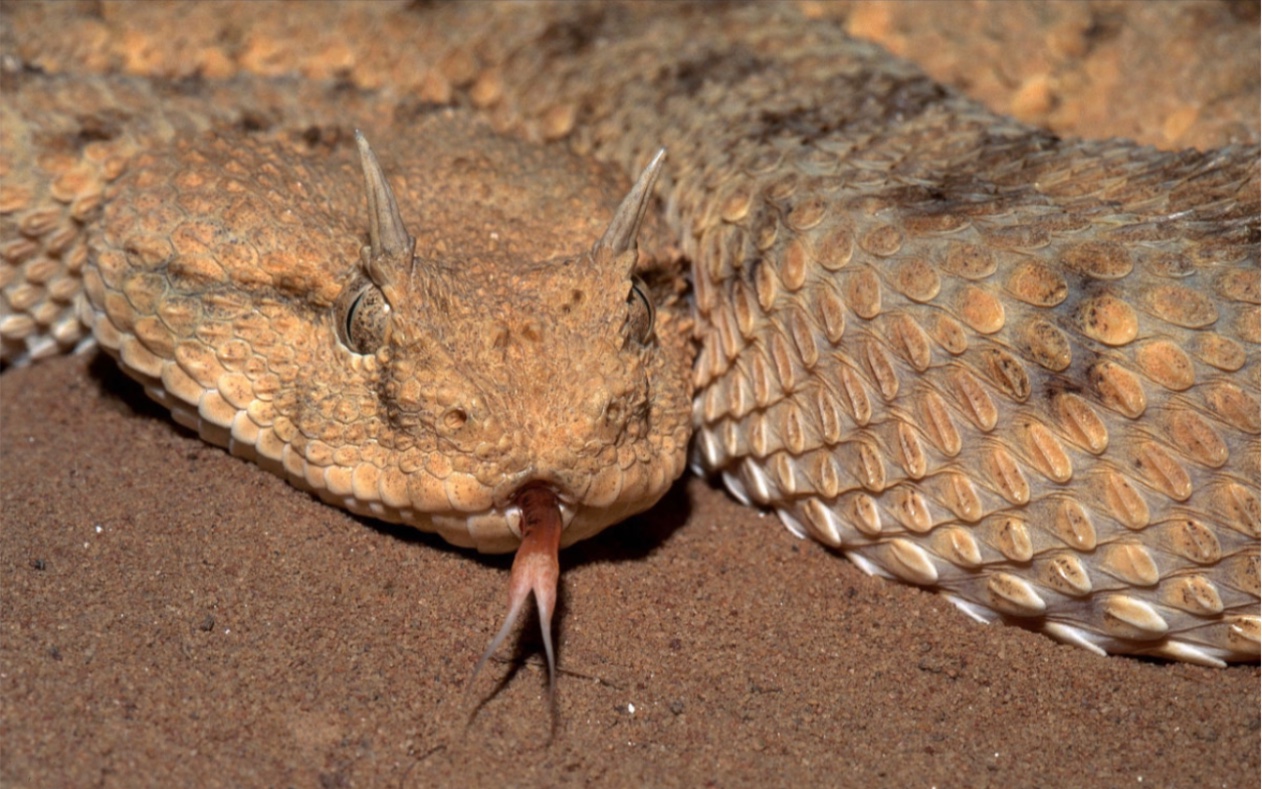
(620, 236)
(387, 235)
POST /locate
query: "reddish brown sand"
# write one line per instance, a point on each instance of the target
(173, 616)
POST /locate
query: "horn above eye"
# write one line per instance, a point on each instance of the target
(620, 236)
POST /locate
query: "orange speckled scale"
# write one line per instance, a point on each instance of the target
(1052, 311)
(1017, 368)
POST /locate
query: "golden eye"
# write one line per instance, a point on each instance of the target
(640, 312)
(362, 325)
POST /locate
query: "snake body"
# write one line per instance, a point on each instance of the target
(968, 354)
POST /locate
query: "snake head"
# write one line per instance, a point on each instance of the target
(529, 392)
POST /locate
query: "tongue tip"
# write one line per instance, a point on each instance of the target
(536, 568)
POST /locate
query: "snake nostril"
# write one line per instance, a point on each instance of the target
(613, 412)
(455, 418)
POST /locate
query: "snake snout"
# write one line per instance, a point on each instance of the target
(560, 483)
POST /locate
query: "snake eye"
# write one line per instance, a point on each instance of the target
(362, 324)
(640, 312)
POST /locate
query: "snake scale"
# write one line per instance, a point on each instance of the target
(968, 354)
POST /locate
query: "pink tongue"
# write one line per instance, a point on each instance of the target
(535, 569)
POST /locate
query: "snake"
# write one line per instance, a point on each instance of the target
(512, 298)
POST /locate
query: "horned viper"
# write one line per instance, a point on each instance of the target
(969, 354)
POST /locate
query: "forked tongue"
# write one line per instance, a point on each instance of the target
(535, 569)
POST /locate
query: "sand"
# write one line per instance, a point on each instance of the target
(172, 616)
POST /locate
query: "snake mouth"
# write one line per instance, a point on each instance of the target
(508, 501)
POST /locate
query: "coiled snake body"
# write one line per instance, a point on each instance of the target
(970, 355)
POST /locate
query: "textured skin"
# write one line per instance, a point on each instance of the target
(224, 269)
(63, 140)
(968, 354)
